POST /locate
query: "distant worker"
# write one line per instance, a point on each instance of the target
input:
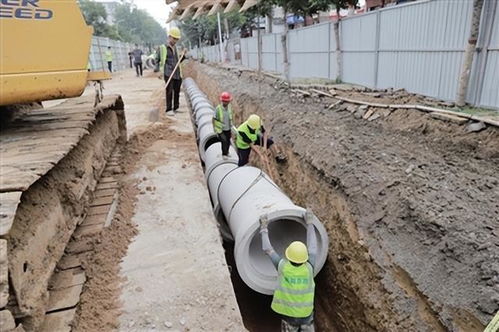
(130, 58)
(137, 60)
(109, 58)
(168, 59)
(222, 122)
(294, 296)
(249, 133)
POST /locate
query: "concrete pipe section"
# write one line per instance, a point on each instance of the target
(246, 193)
(243, 195)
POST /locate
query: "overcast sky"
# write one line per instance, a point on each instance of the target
(160, 11)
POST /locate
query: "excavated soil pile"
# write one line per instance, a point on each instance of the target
(411, 204)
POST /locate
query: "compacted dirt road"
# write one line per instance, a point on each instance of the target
(411, 204)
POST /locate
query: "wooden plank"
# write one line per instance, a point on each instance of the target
(83, 230)
(96, 210)
(8, 207)
(67, 278)
(447, 117)
(64, 298)
(78, 247)
(110, 185)
(107, 179)
(69, 262)
(104, 192)
(108, 200)
(322, 93)
(111, 213)
(59, 321)
(94, 220)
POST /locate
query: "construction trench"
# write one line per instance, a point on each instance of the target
(407, 210)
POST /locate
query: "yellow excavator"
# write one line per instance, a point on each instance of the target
(51, 159)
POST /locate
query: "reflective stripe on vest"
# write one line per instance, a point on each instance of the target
(219, 118)
(294, 297)
(240, 143)
(163, 53)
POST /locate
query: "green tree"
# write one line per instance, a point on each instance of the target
(137, 26)
(95, 15)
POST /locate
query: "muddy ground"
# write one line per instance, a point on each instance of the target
(411, 204)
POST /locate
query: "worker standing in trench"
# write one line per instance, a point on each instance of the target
(252, 132)
(294, 296)
(222, 122)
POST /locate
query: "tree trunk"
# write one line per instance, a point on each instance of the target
(226, 26)
(284, 43)
(259, 38)
(469, 53)
(339, 66)
(269, 22)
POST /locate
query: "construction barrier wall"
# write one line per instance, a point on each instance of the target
(417, 46)
(120, 53)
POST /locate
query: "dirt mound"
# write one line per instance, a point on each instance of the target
(411, 204)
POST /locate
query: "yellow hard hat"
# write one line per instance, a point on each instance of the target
(254, 122)
(174, 32)
(297, 252)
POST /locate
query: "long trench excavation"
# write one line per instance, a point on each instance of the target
(241, 195)
(374, 223)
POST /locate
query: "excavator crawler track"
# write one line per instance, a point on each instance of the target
(50, 165)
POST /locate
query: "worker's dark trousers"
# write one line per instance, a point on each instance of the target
(138, 68)
(224, 137)
(173, 94)
(110, 66)
(244, 154)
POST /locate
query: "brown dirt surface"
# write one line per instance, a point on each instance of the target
(99, 306)
(411, 204)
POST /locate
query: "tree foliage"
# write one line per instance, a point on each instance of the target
(206, 27)
(131, 24)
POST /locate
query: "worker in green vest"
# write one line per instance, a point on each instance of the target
(293, 297)
(222, 122)
(109, 58)
(168, 59)
(252, 132)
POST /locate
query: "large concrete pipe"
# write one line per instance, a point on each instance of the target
(206, 137)
(216, 167)
(206, 120)
(246, 193)
(202, 112)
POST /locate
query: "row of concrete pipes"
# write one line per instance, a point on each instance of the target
(240, 195)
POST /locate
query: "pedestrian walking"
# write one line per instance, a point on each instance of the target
(109, 58)
(222, 122)
(137, 60)
(293, 298)
(250, 133)
(168, 59)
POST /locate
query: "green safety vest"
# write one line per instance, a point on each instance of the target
(294, 296)
(240, 143)
(219, 118)
(109, 56)
(163, 53)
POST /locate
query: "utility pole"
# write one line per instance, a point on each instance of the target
(220, 38)
(469, 52)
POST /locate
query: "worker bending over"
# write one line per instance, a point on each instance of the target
(222, 122)
(249, 133)
(294, 296)
(168, 59)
